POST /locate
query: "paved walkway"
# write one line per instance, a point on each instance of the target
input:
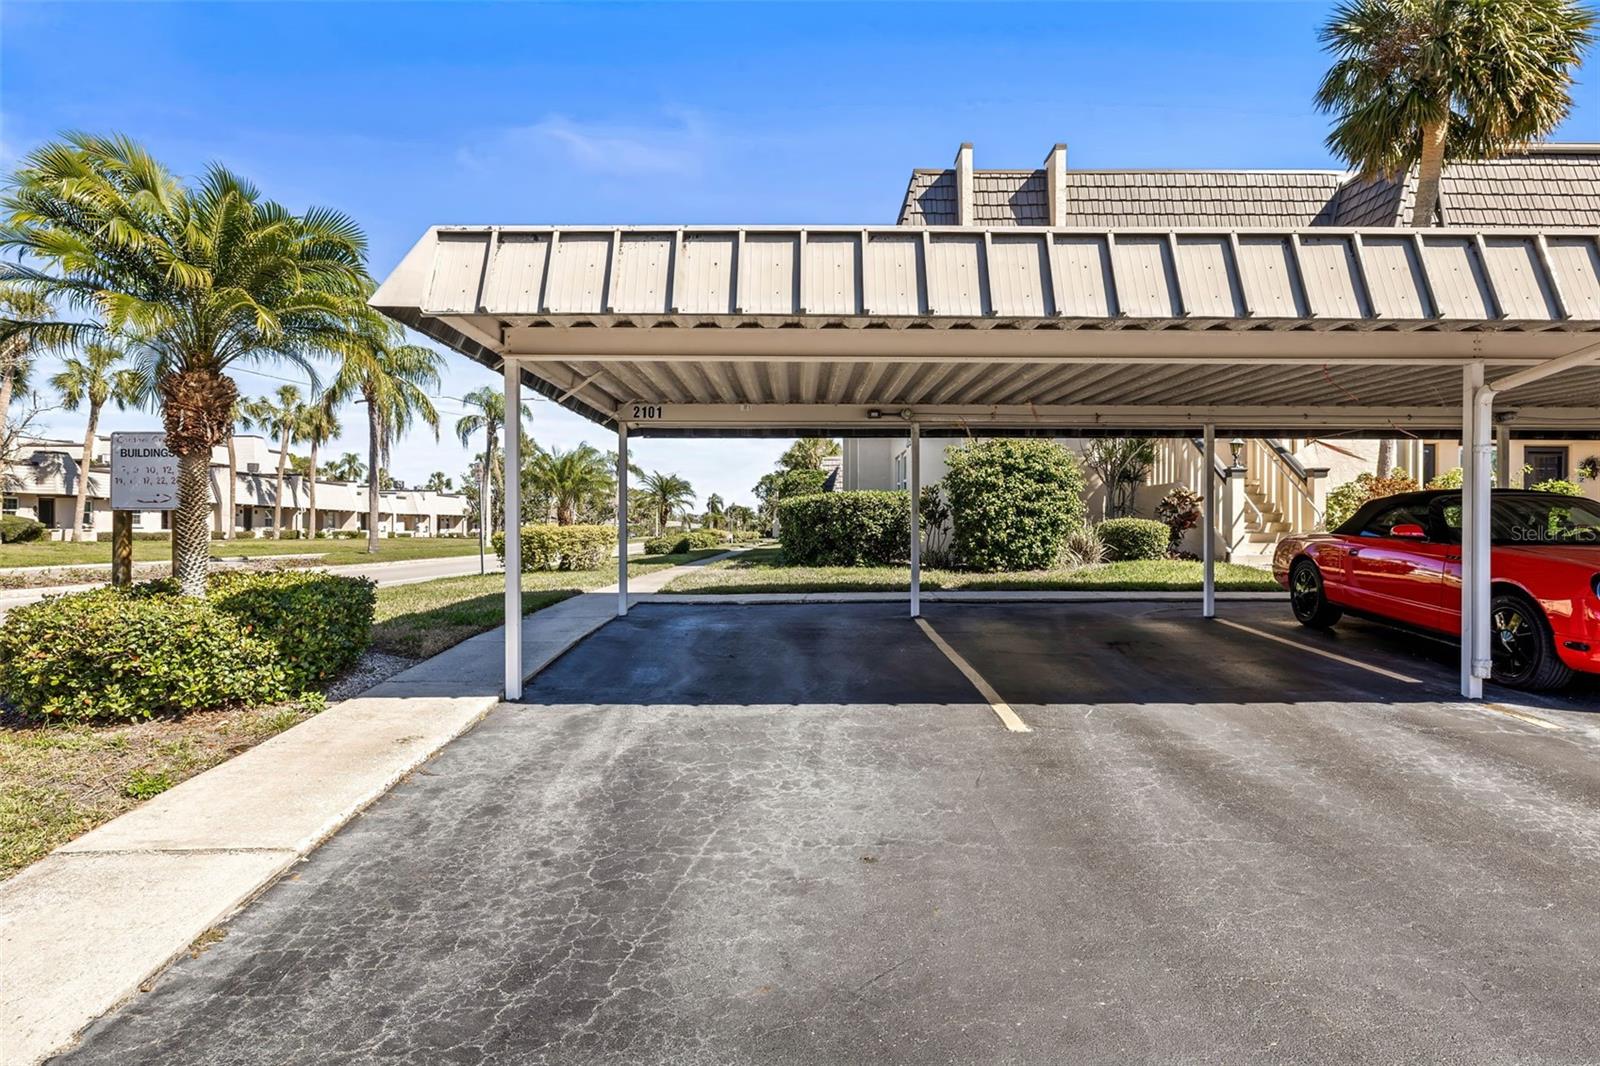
(82, 929)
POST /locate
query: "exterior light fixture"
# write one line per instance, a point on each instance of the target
(873, 412)
(1236, 446)
(905, 414)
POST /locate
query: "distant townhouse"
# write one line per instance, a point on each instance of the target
(42, 483)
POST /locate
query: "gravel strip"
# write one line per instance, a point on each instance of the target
(372, 668)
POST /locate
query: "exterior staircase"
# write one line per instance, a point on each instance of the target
(1264, 525)
(1263, 495)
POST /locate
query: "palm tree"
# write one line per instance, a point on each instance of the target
(94, 378)
(17, 304)
(739, 516)
(319, 423)
(569, 478)
(438, 481)
(283, 418)
(665, 495)
(714, 511)
(1421, 82)
(348, 467)
(199, 279)
(807, 453)
(490, 417)
(392, 379)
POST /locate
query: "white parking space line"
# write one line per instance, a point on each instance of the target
(1518, 713)
(1264, 635)
(1002, 709)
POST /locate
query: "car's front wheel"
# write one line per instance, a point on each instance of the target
(1308, 597)
(1521, 645)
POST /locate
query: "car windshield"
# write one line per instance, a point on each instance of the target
(1534, 520)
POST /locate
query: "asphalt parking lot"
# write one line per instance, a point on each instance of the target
(798, 834)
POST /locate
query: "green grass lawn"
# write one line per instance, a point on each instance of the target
(425, 618)
(334, 552)
(763, 570)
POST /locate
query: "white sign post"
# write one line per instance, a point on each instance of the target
(144, 477)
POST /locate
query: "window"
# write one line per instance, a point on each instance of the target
(1430, 462)
(9, 505)
(88, 514)
(138, 520)
(1531, 520)
(1404, 514)
(901, 469)
(47, 513)
(1545, 464)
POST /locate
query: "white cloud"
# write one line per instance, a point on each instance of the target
(679, 146)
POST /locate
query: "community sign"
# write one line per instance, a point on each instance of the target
(144, 474)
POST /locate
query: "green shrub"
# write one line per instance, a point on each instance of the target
(1082, 547)
(1179, 511)
(553, 547)
(678, 543)
(845, 528)
(113, 654)
(1013, 503)
(319, 623)
(15, 529)
(348, 534)
(1347, 499)
(1559, 486)
(138, 534)
(1450, 479)
(1134, 538)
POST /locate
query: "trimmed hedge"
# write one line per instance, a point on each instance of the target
(678, 543)
(138, 534)
(845, 528)
(15, 529)
(142, 651)
(552, 547)
(1013, 502)
(1134, 538)
(319, 623)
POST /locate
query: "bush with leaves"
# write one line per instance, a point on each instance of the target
(119, 654)
(1083, 547)
(1013, 502)
(1133, 538)
(15, 529)
(319, 623)
(1179, 511)
(551, 547)
(1348, 498)
(862, 528)
(681, 543)
(1450, 479)
(1560, 486)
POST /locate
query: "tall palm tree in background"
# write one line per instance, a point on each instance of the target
(438, 481)
(198, 279)
(377, 368)
(319, 423)
(568, 478)
(96, 376)
(807, 453)
(1422, 82)
(487, 407)
(714, 510)
(348, 467)
(17, 304)
(283, 416)
(665, 495)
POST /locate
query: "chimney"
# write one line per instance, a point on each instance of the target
(1055, 180)
(964, 185)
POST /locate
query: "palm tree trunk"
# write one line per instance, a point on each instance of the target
(232, 525)
(374, 472)
(1429, 168)
(488, 477)
(311, 502)
(277, 500)
(83, 472)
(1385, 457)
(8, 377)
(191, 534)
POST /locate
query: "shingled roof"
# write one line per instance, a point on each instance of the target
(1548, 187)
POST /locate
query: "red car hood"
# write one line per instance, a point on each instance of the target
(1577, 554)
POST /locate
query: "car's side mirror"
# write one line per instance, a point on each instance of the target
(1409, 531)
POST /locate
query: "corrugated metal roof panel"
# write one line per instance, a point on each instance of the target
(1576, 262)
(577, 281)
(516, 275)
(703, 284)
(892, 278)
(1017, 273)
(1328, 265)
(639, 281)
(830, 284)
(1206, 276)
(1266, 270)
(1456, 278)
(1145, 280)
(955, 276)
(1082, 267)
(457, 273)
(768, 280)
(1519, 284)
(1394, 277)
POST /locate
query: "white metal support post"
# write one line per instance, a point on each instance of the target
(1471, 381)
(513, 517)
(1482, 573)
(1208, 543)
(916, 509)
(622, 518)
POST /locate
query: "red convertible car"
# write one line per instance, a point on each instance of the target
(1398, 560)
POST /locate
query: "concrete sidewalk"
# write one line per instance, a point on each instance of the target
(83, 928)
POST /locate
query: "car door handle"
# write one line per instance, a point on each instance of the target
(1354, 551)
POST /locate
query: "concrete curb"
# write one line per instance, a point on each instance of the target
(83, 929)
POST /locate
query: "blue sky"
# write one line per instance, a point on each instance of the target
(414, 114)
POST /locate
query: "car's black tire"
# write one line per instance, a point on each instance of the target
(1522, 647)
(1309, 599)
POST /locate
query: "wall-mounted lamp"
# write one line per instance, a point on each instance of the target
(873, 412)
(1236, 446)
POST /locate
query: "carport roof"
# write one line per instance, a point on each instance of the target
(743, 331)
